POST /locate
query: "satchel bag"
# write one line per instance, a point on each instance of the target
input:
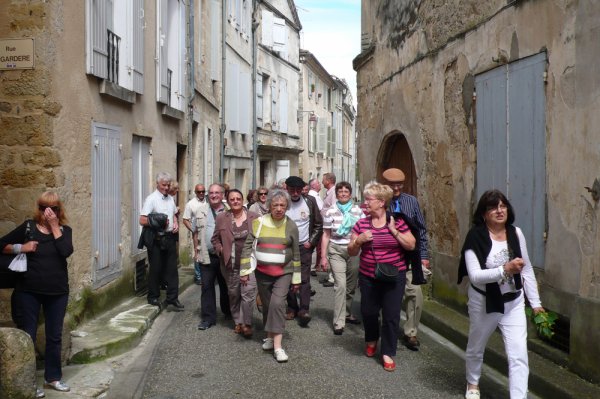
(384, 272)
(253, 262)
(8, 276)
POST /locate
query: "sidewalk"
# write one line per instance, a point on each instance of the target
(120, 330)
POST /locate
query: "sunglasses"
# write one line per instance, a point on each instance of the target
(200, 191)
(55, 208)
(262, 193)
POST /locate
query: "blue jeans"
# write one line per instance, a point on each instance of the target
(27, 312)
(379, 296)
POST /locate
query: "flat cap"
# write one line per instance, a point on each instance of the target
(393, 175)
(294, 181)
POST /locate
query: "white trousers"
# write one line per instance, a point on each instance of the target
(513, 326)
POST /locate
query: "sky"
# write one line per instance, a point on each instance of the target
(331, 31)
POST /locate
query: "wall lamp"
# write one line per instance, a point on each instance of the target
(312, 117)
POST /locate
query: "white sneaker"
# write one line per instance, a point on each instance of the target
(472, 394)
(280, 355)
(267, 344)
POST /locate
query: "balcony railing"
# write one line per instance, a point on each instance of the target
(112, 47)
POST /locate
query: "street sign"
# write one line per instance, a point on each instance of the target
(16, 54)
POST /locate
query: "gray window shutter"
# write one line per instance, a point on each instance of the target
(267, 28)
(98, 20)
(106, 203)
(274, 109)
(138, 46)
(283, 106)
(215, 19)
(162, 84)
(322, 136)
(245, 99)
(259, 100)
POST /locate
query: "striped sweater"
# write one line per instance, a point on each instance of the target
(384, 248)
(277, 249)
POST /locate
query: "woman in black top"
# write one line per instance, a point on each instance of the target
(47, 241)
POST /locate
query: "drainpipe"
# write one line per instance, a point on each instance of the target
(254, 124)
(191, 95)
(223, 82)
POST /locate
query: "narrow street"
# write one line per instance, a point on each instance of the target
(178, 361)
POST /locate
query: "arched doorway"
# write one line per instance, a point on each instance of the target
(395, 153)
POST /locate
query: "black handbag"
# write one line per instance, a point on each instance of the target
(386, 272)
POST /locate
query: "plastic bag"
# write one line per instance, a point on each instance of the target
(19, 263)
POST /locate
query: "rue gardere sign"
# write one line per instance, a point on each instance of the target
(16, 54)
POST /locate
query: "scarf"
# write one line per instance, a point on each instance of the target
(348, 221)
(478, 239)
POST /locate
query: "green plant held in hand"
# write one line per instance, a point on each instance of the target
(544, 322)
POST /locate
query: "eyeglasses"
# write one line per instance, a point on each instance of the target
(200, 191)
(498, 208)
(263, 193)
(372, 199)
(215, 193)
(400, 185)
(54, 208)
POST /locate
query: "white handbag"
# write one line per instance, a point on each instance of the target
(19, 263)
(253, 262)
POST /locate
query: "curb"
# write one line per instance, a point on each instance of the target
(546, 378)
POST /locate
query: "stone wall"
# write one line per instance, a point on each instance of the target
(417, 78)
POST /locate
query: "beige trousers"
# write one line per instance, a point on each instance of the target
(413, 301)
(345, 277)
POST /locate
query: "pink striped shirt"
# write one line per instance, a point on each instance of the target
(387, 249)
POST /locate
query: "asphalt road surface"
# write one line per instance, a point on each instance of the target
(176, 360)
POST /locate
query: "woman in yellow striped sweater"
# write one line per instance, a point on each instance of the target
(278, 266)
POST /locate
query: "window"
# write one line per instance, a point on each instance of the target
(283, 105)
(115, 42)
(322, 136)
(171, 53)
(312, 135)
(106, 203)
(141, 184)
(511, 143)
(274, 33)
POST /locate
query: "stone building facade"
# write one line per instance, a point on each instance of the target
(469, 95)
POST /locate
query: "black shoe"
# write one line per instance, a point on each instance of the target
(313, 273)
(198, 281)
(205, 325)
(176, 304)
(312, 292)
(327, 284)
(352, 320)
(154, 302)
(303, 319)
(338, 331)
(411, 343)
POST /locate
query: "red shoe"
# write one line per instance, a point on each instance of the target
(370, 350)
(391, 366)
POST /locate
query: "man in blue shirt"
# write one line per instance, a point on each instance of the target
(413, 296)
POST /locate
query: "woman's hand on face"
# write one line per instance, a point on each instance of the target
(244, 280)
(51, 218)
(29, 246)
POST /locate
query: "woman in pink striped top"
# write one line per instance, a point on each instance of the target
(380, 239)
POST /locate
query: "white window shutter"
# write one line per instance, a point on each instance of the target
(280, 37)
(139, 22)
(162, 85)
(245, 100)
(215, 23)
(267, 28)
(259, 100)
(274, 110)
(98, 19)
(232, 97)
(322, 136)
(283, 106)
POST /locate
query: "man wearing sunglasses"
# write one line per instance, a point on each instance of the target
(190, 216)
(305, 213)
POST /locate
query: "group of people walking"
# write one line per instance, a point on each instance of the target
(263, 248)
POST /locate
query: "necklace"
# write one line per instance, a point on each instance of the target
(43, 229)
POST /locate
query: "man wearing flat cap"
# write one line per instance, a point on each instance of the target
(305, 213)
(413, 296)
